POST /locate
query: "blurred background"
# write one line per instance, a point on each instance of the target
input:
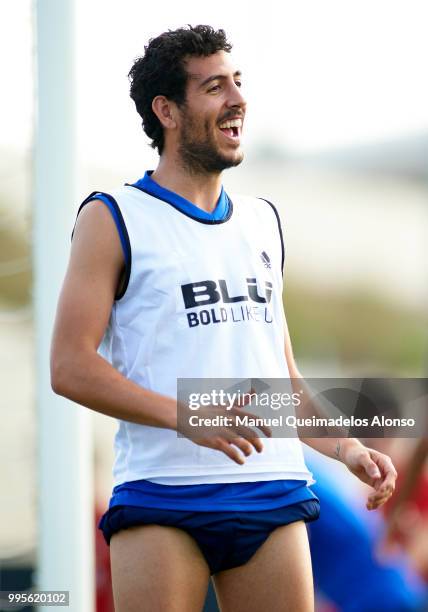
(336, 136)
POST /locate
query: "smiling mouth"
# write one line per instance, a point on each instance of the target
(232, 132)
(232, 128)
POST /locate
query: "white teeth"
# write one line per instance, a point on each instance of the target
(233, 123)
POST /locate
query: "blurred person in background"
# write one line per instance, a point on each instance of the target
(368, 578)
(373, 574)
(185, 508)
(407, 512)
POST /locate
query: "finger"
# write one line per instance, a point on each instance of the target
(266, 430)
(379, 496)
(257, 444)
(389, 471)
(247, 434)
(382, 493)
(377, 499)
(251, 436)
(370, 466)
(389, 476)
(388, 485)
(373, 504)
(231, 452)
(243, 444)
(263, 428)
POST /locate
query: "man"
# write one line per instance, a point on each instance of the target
(176, 279)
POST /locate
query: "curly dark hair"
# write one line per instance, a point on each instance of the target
(161, 71)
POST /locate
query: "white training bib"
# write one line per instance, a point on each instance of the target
(203, 300)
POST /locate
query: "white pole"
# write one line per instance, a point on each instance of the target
(65, 488)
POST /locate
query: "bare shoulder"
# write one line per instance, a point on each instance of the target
(96, 243)
(93, 275)
(95, 229)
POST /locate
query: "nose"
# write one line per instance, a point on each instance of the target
(236, 97)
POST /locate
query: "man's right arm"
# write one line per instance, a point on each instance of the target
(78, 372)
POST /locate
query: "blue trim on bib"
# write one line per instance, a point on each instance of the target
(221, 212)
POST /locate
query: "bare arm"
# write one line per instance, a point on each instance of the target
(331, 447)
(78, 372)
(370, 466)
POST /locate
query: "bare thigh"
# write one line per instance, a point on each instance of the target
(159, 569)
(277, 577)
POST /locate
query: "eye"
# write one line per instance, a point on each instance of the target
(214, 88)
(238, 83)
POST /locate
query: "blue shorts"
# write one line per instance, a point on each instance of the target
(226, 539)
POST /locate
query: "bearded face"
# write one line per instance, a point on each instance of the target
(211, 119)
(201, 149)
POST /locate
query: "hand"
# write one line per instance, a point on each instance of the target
(373, 468)
(228, 437)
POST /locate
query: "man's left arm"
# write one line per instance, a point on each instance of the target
(370, 466)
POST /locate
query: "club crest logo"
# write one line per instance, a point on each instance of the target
(265, 259)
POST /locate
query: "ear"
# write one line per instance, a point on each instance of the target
(165, 111)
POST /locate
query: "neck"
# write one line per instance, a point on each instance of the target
(203, 190)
